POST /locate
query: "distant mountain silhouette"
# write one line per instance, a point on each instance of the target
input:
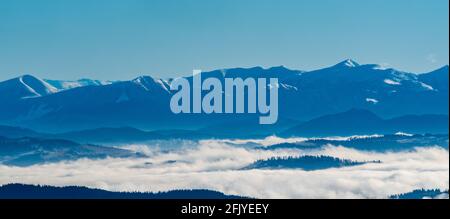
(106, 135)
(241, 129)
(20, 191)
(127, 135)
(361, 122)
(17, 132)
(28, 151)
(352, 122)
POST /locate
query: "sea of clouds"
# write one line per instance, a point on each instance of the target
(216, 165)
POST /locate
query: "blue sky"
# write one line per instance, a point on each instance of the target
(119, 40)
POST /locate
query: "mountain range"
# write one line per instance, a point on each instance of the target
(349, 123)
(55, 106)
(361, 122)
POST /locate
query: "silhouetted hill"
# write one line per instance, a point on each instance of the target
(241, 129)
(109, 135)
(106, 135)
(20, 191)
(395, 142)
(307, 163)
(363, 122)
(17, 132)
(423, 193)
(28, 151)
(127, 135)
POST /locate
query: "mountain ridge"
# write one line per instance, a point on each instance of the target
(23, 191)
(143, 102)
(352, 122)
(363, 122)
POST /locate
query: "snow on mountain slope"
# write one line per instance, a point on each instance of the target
(26, 86)
(349, 84)
(65, 85)
(152, 84)
(438, 79)
(144, 101)
(347, 63)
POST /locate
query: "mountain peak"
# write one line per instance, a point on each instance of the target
(143, 79)
(28, 77)
(348, 63)
(26, 86)
(278, 67)
(148, 83)
(36, 85)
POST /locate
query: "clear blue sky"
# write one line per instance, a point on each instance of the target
(119, 40)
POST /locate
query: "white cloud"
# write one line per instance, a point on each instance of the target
(215, 165)
(272, 140)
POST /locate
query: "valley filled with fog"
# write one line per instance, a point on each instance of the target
(228, 166)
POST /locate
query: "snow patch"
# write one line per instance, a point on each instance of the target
(31, 82)
(371, 100)
(403, 134)
(426, 86)
(147, 83)
(391, 82)
(62, 85)
(288, 87)
(350, 63)
(163, 84)
(29, 89)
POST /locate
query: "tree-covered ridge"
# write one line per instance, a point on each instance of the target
(307, 163)
(21, 191)
(422, 194)
(381, 143)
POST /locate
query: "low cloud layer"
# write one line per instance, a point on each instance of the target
(215, 164)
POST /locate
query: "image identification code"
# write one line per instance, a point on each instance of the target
(227, 209)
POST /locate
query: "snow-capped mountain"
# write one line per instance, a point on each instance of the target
(348, 63)
(25, 86)
(385, 91)
(65, 84)
(136, 102)
(437, 79)
(150, 84)
(144, 101)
